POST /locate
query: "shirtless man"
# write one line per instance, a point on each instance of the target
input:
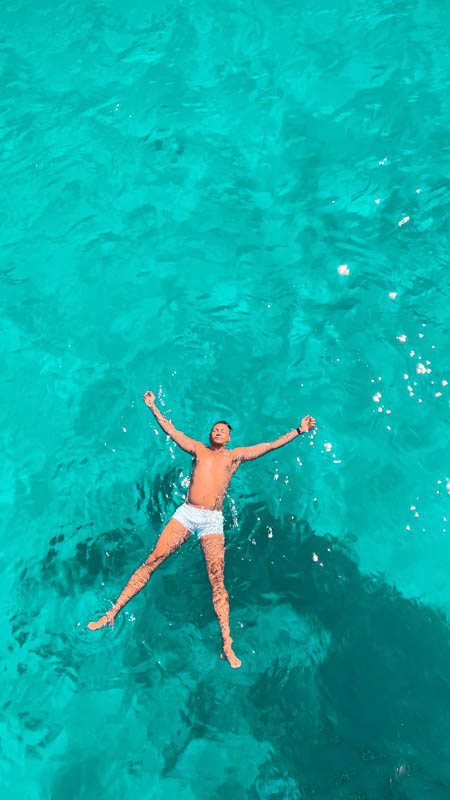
(214, 466)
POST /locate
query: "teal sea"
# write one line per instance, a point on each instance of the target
(243, 207)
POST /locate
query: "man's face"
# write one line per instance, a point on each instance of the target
(220, 434)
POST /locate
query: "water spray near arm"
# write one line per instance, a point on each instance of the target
(180, 438)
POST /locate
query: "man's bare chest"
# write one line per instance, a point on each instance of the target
(219, 466)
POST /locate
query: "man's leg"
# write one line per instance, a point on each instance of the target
(213, 546)
(173, 535)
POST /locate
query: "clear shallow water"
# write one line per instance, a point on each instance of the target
(180, 186)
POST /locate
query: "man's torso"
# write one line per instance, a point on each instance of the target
(211, 477)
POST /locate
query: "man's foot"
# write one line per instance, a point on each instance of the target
(107, 619)
(228, 655)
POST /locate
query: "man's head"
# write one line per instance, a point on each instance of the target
(220, 433)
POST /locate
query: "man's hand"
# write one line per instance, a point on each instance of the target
(149, 399)
(307, 424)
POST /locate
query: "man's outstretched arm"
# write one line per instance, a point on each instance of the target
(183, 441)
(255, 451)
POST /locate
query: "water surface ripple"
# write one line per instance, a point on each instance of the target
(245, 209)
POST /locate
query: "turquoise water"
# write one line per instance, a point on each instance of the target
(245, 209)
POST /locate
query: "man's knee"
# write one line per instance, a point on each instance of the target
(141, 576)
(215, 569)
(219, 593)
(155, 558)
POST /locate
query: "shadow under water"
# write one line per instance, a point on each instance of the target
(342, 693)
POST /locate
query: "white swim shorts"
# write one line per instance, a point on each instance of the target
(201, 521)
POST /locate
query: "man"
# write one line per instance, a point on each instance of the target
(214, 466)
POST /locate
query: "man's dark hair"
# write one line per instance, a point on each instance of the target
(223, 422)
